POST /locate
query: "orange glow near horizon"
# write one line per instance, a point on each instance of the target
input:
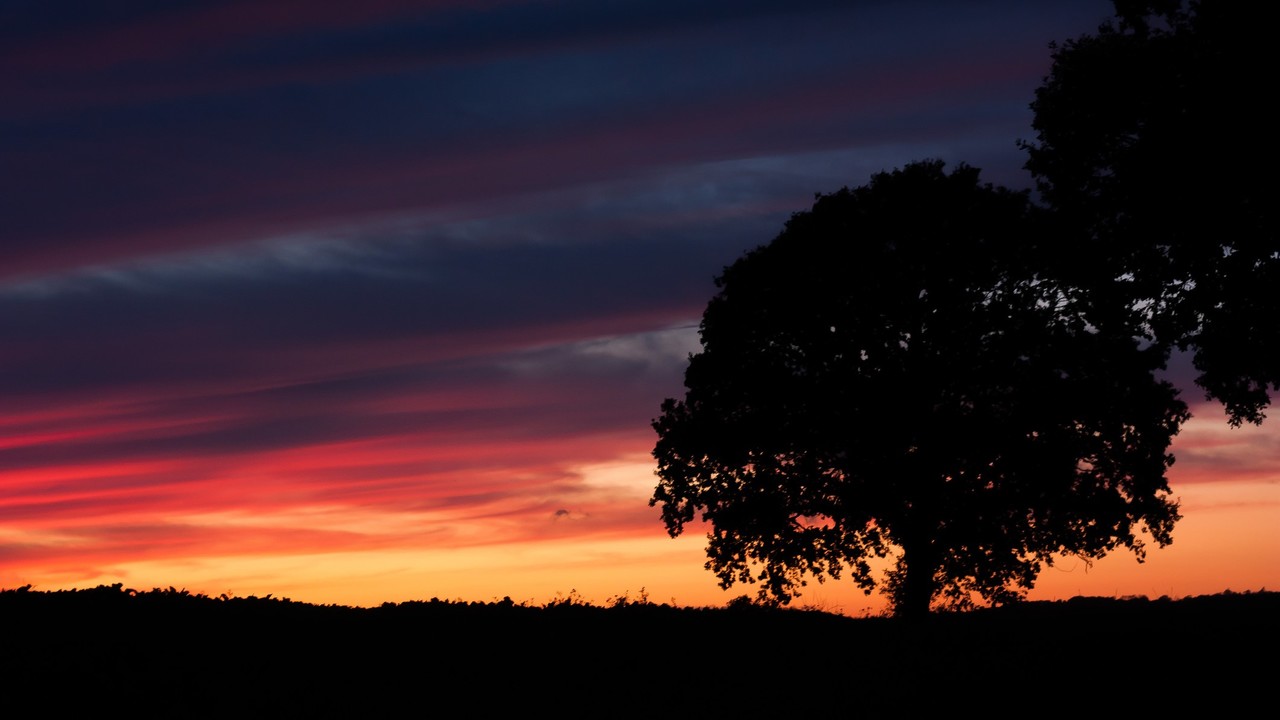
(353, 541)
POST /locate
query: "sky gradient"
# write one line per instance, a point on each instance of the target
(365, 302)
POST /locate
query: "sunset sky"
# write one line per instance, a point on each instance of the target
(354, 302)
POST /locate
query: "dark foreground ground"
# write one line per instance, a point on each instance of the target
(111, 652)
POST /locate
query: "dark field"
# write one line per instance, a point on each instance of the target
(166, 653)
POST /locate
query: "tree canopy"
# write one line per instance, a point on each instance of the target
(944, 374)
(891, 378)
(1152, 148)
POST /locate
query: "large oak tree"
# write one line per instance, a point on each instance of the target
(891, 377)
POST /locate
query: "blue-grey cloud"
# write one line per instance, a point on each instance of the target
(242, 130)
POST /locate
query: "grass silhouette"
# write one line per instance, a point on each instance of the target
(171, 653)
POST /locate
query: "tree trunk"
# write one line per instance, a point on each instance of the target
(918, 584)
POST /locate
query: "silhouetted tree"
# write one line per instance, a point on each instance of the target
(1154, 148)
(889, 377)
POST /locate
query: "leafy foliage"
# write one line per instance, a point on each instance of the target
(889, 376)
(1152, 148)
